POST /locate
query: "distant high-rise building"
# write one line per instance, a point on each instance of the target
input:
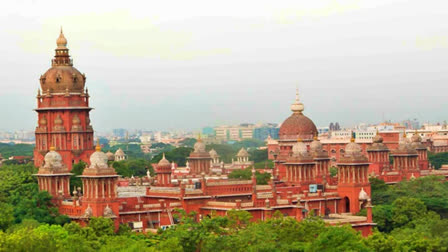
(334, 126)
(262, 133)
(121, 133)
(208, 131)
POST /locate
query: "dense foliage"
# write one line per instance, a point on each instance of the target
(20, 198)
(11, 149)
(437, 159)
(246, 174)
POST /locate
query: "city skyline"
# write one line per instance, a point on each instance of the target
(178, 73)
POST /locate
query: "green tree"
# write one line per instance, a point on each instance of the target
(338, 239)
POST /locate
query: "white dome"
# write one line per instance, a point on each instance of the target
(98, 159)
(53, 159)
(363, 195)
(242, 153)
(213, 153)
(199, 146)
(119, 152)
(299, 148)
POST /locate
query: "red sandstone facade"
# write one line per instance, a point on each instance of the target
(301, 182)
(63, 111)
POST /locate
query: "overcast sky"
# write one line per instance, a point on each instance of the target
(188, 64)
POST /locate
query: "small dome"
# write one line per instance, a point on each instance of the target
(352, 148)
(242, 153)
(53, 159)
(377, 138)
(98, 158)
(363, 195)
(119, 152)
(404, 145)
(199, 146)
(299, 147)
(213, 153)
(316, 145)
(164, 162)
(110, 156)
(416, 138)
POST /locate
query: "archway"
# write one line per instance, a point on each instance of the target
(347, 204)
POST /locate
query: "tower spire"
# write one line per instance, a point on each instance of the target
(297, 106)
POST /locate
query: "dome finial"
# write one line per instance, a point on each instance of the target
(297, 106)
(61, 42)
(98, 146)
(52, 148)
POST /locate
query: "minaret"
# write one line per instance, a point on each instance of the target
(99, 182)
(199, 159)
(322, 160)
(163, 171)
(300, 167)
(378, 154)
(353, 179)
(422, 151)
(405, 159)
(63, 111)
(53, 176)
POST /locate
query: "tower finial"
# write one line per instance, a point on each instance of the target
(297, 106)
(61, 42)
(98, 146)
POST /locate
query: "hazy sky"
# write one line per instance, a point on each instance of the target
(188, 64)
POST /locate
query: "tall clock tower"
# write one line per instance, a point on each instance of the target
(63, 111)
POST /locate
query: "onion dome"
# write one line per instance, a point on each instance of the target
(110, 156)
(164, 162)
(352, 148)
(199, 146)
(53, 159)
(299, 148)
(61, 42)
(62, 77)
(98, 159)
(363, 195)
(213, 153)
(242, 153)
(297, 125)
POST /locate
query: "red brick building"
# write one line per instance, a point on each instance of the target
(63, 111)
(301, 181)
